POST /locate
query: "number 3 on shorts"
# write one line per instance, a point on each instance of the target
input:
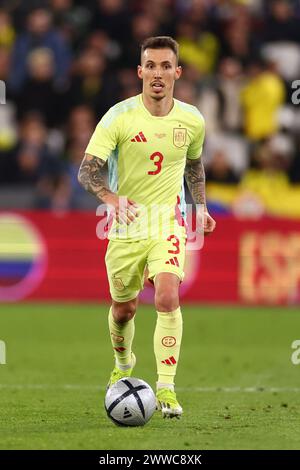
(175, 242)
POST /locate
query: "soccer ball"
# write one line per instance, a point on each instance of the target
(130, 402)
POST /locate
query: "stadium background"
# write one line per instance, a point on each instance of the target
(64, 63)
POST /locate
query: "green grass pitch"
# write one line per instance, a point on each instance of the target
(236, 382)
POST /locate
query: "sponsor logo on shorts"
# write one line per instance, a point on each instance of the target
(173, 261)
(117, 339)
(168, 341)
(118, 283)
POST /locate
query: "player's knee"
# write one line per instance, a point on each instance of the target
(166, 300)
(125, 311)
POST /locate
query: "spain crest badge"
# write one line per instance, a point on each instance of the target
(179, 136)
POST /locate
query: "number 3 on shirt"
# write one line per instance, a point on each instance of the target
(157, 159)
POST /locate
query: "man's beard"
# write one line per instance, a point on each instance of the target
(158, 97)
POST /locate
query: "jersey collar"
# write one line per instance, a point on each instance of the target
(151, 115)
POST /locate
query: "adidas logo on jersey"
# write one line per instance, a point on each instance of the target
(173, 261)
(170, 361)
(139, 138)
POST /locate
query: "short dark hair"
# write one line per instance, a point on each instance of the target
(161, 42)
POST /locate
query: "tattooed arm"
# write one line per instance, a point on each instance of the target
(91, 177)
(195, 178)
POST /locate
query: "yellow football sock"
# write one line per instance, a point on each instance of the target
(121, 335)
(167, 340)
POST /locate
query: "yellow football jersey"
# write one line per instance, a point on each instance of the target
(146, 160)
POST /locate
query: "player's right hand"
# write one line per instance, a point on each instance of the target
(123, 209)
(205, 223)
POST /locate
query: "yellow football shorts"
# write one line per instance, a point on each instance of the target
(126, 262)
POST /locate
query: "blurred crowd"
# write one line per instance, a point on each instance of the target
(65, 62)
